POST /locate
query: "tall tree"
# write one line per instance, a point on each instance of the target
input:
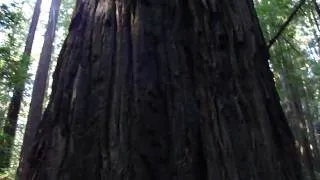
(39, 85)
(16, 99)
(296, 115)
(65, 16)
(164, 90)
(291, 65)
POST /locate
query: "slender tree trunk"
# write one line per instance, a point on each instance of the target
(296, 115)
(10, 128)
(15, 102)
(39, 86)
(312, 136)
(304, 144)
(164, 90)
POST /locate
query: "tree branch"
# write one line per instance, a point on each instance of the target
(286, 23)
(292, 45)
(316, 6)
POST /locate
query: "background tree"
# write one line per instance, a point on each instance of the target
(13, 71)
(16, 99)
(65, 14)
(293, 65)
(39, 85)
(11, 66)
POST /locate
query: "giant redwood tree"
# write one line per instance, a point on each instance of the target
(163, 89)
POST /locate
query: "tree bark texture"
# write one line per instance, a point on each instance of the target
(16, 99)
(39, 86)
(162, 89)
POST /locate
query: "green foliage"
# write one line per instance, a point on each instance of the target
(5, 141)
(66, 11)
(295, 63)
(9, 16)
(13, 66)
(12, 63)
(290, 59)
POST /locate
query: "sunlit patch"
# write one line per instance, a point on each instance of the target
(300, 125)
(301, 150)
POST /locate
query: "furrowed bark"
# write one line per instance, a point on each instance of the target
(164, 90)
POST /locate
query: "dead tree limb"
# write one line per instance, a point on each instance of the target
(286, 23)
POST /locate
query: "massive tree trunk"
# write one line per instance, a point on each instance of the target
(39, 86)
(16, 99)
(164, 89)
